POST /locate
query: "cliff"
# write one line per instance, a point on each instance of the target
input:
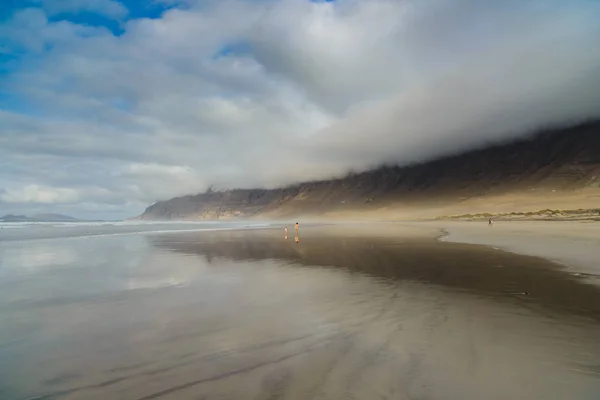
(552, 169)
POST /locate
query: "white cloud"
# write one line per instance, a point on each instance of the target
(152, 169)
(39, 194)
(316, 89)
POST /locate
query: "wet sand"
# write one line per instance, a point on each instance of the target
(367, 313)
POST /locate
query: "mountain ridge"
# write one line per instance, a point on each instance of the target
(38, 218)
(554, 168)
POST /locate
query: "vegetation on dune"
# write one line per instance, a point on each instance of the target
(546, 213)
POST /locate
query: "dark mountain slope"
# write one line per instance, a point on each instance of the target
(548, 168)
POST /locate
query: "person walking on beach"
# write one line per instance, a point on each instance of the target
(297, 227)
(285, 233)
(490, 222)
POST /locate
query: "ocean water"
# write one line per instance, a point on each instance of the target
(53, 230)
(238, 311)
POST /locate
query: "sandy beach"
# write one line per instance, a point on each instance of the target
(575, 245)
(289, 200)
(364, 311)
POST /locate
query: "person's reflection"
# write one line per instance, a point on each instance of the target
(297, 239)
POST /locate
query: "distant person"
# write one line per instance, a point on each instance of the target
(285, 230)
(490, 222)
(297, 227)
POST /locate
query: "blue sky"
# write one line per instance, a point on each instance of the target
(81, 12)
(107, 106)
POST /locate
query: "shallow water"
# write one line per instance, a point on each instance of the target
(249, 315)
(20, 231)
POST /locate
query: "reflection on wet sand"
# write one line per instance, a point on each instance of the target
(493, 325)
(480, 270)
(250, 315)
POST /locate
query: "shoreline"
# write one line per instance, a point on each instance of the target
(573, 245)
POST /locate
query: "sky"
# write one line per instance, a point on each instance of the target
(107, 106)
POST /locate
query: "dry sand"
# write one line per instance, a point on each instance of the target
(572, 244)
(477, 200)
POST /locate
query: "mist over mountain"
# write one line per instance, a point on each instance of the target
(551, 169)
